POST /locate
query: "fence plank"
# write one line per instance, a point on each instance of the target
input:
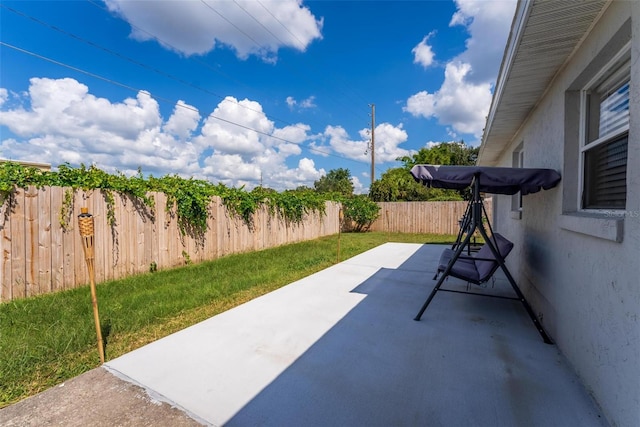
(18, 246)
(140, 249)
(66, 217)
(5, 248)
(42, 249)
(150, 241)
(124, 239)
(100, 235)
(45, 218)
(422, 217)
(31, 241)
(162, 229)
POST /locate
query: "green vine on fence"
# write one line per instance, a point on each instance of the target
(66, 210)
(188, 198)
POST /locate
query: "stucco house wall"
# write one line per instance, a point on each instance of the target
(581, 272)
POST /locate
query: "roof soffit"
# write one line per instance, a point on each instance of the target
(544, 35)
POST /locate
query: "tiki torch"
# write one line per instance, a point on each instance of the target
(85, 223)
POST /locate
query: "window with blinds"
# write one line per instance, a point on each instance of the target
(606, 175)
(605, 148)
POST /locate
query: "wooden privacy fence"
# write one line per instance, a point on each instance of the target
(422, 217)
(39, 255)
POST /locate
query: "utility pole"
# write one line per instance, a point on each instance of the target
(373, 143)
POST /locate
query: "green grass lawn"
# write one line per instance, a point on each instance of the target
(48, 339)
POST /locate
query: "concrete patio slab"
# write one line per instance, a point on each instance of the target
(340, 347)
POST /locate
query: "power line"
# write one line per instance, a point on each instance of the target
(163, 73)
(138, 63)
(163, 99)
(153, 36)
(162, 41)
(301, 75)
(230, 23)
(258, 22)
(280, 22)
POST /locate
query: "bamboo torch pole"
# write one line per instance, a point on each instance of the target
(85, 223)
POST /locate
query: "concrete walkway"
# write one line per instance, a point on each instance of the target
(341, 348)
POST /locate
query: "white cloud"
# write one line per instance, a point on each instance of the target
(221, 133)
(431, 144)
(358, 187)
(458, 103)
(64, 115)
(4, 95)
(65, 123)
(423, 53)
(488, 24)
(230, 167)
(294, 133)
(183, 122)
(340, 143)
(422, 104)
(463, 101)
(248, 27)
(304, 174)
(303, 105)
(241, 155)
(308, 103)
(387, 140)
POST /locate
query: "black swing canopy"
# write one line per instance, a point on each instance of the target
(492, 180)
(495, 180)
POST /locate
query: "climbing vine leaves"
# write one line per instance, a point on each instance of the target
(189, 198)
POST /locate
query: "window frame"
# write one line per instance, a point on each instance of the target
(617, 69)
(517, 161)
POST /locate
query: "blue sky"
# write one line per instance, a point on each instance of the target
(244, 92)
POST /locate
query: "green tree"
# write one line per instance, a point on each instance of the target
(336, 180)
(444, 153)
(398, 185)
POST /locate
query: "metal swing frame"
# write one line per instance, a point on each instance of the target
(473, 221)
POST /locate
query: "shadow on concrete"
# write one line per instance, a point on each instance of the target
(471, 361)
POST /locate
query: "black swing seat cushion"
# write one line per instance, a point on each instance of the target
(479, 268)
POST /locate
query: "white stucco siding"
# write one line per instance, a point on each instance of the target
(586, 288)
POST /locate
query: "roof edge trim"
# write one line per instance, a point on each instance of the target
(521, 16)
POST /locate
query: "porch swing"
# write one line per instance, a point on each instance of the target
(479, 268)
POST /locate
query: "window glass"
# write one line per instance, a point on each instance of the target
(604, 149)
(614, 110)
(605, 175)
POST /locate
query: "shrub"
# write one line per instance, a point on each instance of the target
(359, 213)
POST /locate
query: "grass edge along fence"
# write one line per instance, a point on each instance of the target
(48, 339)
(42, 250)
